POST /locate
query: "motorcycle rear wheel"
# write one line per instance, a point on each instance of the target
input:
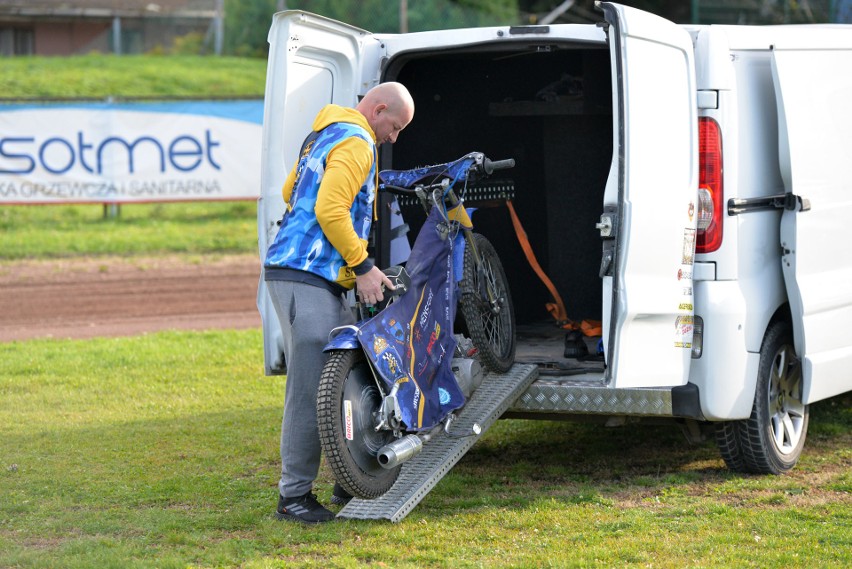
(347, 399)
(491, 325)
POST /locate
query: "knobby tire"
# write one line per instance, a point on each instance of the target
(491, 328)
(346, 375)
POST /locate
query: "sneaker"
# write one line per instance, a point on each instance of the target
(339, 496)
(303, 509)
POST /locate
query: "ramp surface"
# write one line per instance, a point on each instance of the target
(419, 475)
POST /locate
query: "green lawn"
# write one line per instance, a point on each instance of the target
(101, 76)
(162, 451)
(49, 231)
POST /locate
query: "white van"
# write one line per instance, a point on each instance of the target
(688, 186)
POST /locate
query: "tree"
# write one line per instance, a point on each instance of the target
(247, 21)
(246, 26)
(702, 11)
(383, 16)
(584, 11)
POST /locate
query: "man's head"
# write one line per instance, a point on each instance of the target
(388, 108)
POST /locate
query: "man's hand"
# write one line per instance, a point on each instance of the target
(369, 286)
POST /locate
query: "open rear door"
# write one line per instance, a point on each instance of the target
(313, 61)
(653, 191)
(813, 87)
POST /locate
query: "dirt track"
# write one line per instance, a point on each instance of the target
(120, 297)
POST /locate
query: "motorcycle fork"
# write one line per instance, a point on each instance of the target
(493, 302)
(484, 281)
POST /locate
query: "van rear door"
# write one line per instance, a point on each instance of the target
(313, 61)
(813, 89)
(651, 195)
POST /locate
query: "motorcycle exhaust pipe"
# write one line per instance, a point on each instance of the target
(393, 454)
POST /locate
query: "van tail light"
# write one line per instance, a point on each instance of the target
(710, 189)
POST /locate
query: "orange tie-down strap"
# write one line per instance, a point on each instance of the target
(557, 307)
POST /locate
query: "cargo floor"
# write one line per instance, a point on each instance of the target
(543, 344)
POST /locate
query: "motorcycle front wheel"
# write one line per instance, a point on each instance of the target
(487, 306)
(347, 400)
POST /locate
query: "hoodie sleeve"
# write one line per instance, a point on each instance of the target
(347, 167)
(287, 189)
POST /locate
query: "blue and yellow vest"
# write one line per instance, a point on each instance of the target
(300, 243)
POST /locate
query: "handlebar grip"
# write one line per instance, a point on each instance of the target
(492, 165)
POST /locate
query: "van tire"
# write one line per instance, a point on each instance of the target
(728, 440)
(771, 440)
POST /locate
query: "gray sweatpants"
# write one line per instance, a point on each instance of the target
(307, 314)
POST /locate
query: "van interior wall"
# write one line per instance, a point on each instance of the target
(525, 104)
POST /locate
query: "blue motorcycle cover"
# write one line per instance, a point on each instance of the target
(410, 342)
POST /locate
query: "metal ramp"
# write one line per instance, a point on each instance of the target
(420, 474)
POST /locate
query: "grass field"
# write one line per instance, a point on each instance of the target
(43, 232)
(161, 451)
(132, 76)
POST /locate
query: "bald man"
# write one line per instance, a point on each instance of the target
(319, 253)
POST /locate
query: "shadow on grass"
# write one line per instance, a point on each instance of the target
(519, 461)
(219, 470)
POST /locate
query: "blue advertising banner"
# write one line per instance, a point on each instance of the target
(130, 151)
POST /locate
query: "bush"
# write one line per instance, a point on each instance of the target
(189, 44)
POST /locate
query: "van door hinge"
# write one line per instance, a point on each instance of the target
(789, 202)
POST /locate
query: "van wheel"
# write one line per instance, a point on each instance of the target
(771, 440)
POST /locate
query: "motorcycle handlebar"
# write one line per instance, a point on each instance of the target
(487, 167)
(490, 166)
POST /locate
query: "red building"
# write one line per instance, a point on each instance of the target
(63, 27)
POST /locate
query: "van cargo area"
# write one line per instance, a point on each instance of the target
(549, 107)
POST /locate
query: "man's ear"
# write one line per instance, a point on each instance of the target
(379, 108)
